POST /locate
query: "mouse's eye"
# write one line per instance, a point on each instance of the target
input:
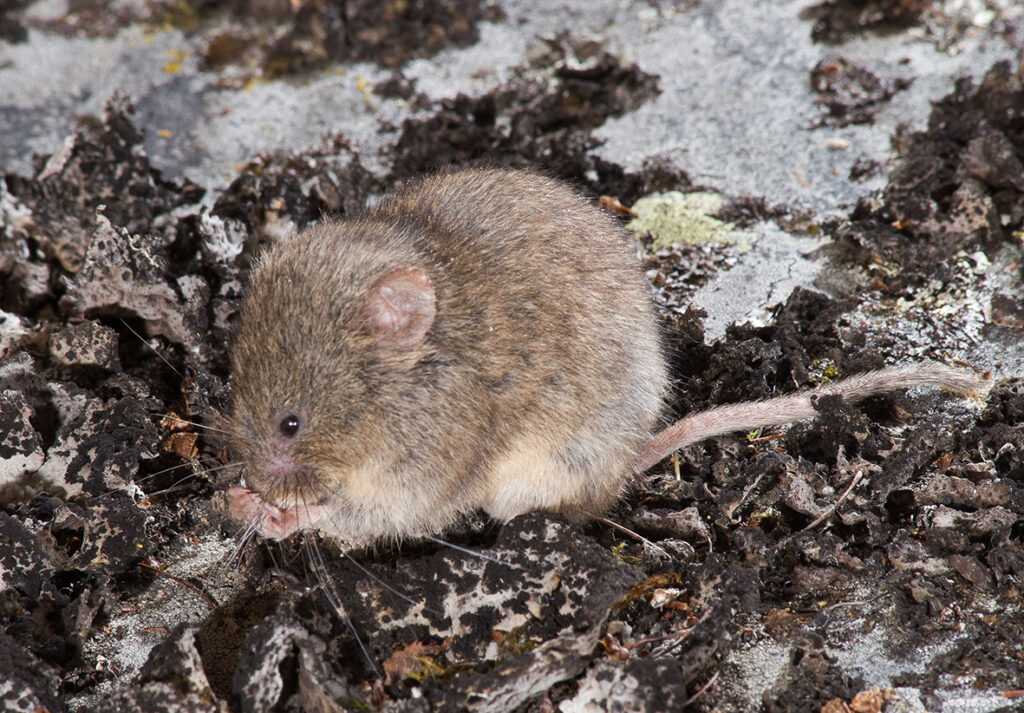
(289, 425)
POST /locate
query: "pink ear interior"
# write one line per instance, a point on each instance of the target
(400, 308)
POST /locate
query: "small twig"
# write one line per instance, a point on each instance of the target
(654, 639)
(626, 531)
(703, 689)
(184, 582)
(861, 603)
(763, 439)
(743, 498)
(831, 511)
(676, 639)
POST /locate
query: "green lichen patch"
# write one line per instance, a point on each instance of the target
(674, 217)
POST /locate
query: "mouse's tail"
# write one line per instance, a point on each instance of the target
(799, 406)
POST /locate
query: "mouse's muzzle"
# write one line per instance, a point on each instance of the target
(250, 509)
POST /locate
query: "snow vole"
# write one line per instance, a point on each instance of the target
(480, 339)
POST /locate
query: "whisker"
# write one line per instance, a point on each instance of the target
(481, 555)
(290, 559)
(149, 476)
(243, 541)
(141, 339)
(393, 590)
(340, 611)
(334, 601)
(171, 489)
(179, 419)
(222, 466)
(274, 564)
(204, 471)
(235, 557)
(216, 468)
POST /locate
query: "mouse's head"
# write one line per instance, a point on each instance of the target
(325, 334)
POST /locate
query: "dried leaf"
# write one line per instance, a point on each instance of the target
(871, 701)
(407, 659)
(836, 705)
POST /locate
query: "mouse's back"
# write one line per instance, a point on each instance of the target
(540, 292)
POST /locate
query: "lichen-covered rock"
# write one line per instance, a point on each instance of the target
(523, 678)
(100, 450)
(541, 122)
(13, 330)
(104, 535)
(176, 662)
(87, 344)
(636, 686)
(53, 402)
(101, 166)
(848, 93)
(27, 684)
(24, 275)
(157, 698)
(125, 272)
(21, 452)
(259, 682)
(540, 579)
(24, 564)
(277, 196)
(113, 533)
(223, 240)
(282, 668)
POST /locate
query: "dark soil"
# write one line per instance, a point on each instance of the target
(529, 123)
(836, 21)
(121, 287)
(957, 189)
(280, 37)
(848, 93)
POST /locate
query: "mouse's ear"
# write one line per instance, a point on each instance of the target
(399, 308)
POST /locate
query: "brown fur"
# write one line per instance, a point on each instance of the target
(539, 379)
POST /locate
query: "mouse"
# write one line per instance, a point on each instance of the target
(481, 339)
